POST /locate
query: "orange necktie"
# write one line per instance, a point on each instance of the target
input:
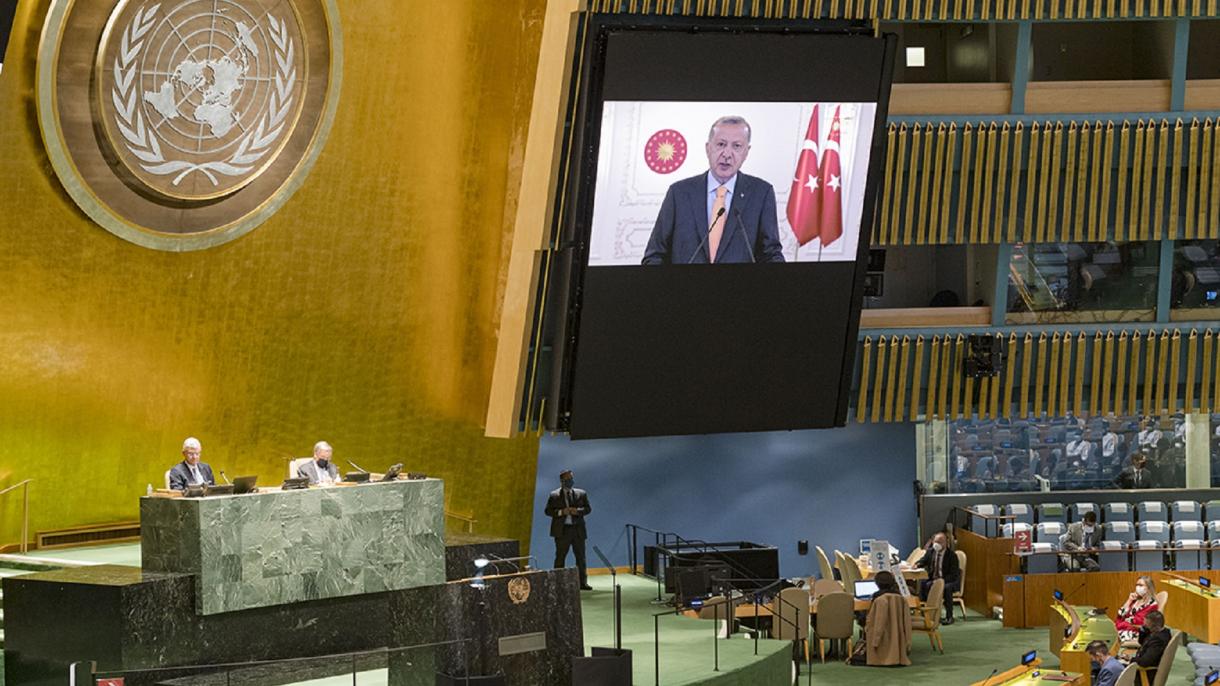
(717, 227)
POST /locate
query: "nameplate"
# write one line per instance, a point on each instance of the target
(1014, 579)
(522, 643)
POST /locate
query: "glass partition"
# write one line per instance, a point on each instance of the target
(1195, 289)
(1082, 282)
(1065, 453)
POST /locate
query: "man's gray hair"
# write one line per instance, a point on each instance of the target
(732, 120)
(192, 442)
(321, 445)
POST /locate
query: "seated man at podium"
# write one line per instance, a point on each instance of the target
(1082, 535)
(320, 470)
(190, 471)
(1154, 637)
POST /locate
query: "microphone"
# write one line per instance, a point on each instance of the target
(993, 673)
(225, 476)
(358, 467)
(706, 234)
(741, 225)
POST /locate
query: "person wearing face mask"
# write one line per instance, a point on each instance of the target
(567, 507)
(1153, 639)
(722, 215)
(190, 471)
(1108, 667)
(1082, 535)
(320, 471)
(941, 562)
(1134, 612)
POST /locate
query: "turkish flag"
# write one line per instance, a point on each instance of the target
(832, 186)
(805, 200)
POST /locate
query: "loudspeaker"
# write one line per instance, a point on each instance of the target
(985, 355)
(607, 667)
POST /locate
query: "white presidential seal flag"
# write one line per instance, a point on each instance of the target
(198, 119)
(202, 88)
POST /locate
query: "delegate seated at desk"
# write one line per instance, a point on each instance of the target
(320, 470)
(190, 471)
(1134, 612)
(1154, 637)
(941, 562)
(1082, 535)
(1109, 667)
(887, 626)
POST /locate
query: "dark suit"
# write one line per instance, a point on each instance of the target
(680, 234)
(1152, 646)
(950, 571)
(180, 475)
(1129, 479)
(569, 535)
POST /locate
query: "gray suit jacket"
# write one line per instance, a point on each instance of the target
(309, 470)
(1075, 539)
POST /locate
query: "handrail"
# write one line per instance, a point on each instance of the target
(25, 511)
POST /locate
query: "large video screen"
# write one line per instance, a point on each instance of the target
(789, 176)
(722, 184)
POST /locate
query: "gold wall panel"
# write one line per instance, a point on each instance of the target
(912, 10)
(1124, 371)
(363, 313)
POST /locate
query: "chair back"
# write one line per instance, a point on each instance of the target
(854, 567)
(961, 566)
(1162, 597)
(792, 608)
(824, 567)
(1166, 663)
(716, 607)
(1129, 677)
(295, 464)
(836, 618)
(823, 587)
(915, 556)
(167, 478)
(936, 599)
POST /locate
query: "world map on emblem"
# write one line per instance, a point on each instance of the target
(199, 95)
(665, 151)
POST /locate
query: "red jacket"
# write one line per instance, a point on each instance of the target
(1135, 620)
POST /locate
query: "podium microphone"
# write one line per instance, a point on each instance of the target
(993, 673)
(703, 243)
(358, 467)
(741, 225)
(225, 476)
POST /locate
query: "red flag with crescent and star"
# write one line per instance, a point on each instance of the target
(832, 186)
(805, 199)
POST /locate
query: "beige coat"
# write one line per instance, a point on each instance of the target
(888, 630)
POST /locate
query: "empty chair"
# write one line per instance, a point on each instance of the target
(1077, 510)
(1043, 559)
(1020, 512)
(1118, 531)
(1052, 512)
(1189, 542)
(1211, 510)
(1188, 531)
(1114, 556)
(982, 525)
(927, 617)
(1049, 532)
(1152, 511)
(1117, 512)
(824, 567)
(1186, 511)
(823, 587)
(1011, 529)
(959, 596)
(1153, 531)
(1148, 555)
(792, 616)
(835, 620)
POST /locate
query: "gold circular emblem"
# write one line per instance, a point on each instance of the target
(519, 590)
(195, 120)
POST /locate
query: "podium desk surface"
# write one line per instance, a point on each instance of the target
(1033, 675)
(277, 547)
(1192, 608)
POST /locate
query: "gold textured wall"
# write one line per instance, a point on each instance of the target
(363, 313)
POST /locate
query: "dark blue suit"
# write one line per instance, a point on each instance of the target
(751, 229)
(1109, 672)
(180, 475)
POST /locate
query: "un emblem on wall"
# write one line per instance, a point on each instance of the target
(197, 119)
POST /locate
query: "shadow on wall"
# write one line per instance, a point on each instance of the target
(831, 487)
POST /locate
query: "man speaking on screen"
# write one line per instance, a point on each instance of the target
(721, 216)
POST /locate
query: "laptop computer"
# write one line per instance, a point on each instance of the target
(865, 589)
(245, 484)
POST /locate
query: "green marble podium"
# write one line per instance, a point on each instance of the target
(277, 547)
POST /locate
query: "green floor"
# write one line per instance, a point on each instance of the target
(972, 648)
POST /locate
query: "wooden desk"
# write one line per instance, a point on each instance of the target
(745, 610)
(912, 574)
(1071, 630)
(1031, 675)
(1192, 609)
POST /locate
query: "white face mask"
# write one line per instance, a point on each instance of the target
(1141, 590)
(937, 547)
(1088, 529)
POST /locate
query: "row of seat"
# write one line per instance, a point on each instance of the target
(1124, 532)
(1146, 511)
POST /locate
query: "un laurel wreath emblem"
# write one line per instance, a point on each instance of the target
(198, 118)
(519, 590)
